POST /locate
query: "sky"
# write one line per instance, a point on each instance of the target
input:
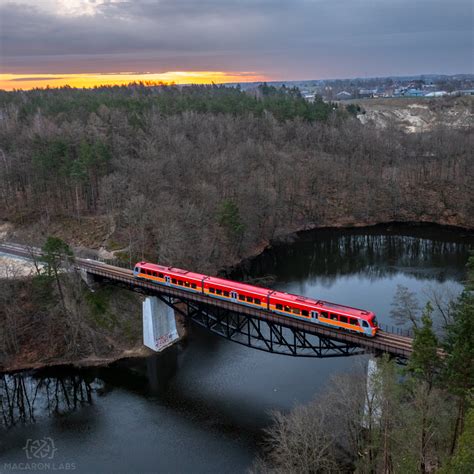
(89, 42)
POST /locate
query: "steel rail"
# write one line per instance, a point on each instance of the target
(383, 342)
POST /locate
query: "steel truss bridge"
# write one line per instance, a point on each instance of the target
(252, 327)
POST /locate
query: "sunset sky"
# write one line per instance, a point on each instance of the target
(88, 42)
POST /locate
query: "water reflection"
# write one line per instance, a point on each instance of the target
(375, 253)
(202, 406)
(25, 397)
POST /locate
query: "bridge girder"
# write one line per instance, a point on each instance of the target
(267, 335)
(259, 334)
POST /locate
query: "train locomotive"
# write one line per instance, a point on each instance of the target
(300, 307)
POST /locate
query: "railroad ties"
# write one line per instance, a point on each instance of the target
(254, 327)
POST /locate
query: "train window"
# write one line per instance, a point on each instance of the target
(304, 312)
(160, 275)
(334, 317)
(287, 308)
(186, 283)
(353, 321)
(343, 319)
(173, 280)
(257, 301)
(241, 297)
(212, 290)
(180, 283)
(142, 270)
(279, 306)
(226, 293)
(364, 324)
(218, 292)
(296, 311)
(324, 314)
(193, 285)
(249, 299)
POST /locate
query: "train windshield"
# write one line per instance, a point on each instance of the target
(374, 322)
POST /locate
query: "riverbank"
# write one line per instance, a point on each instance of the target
(214, 395)
(112, 316)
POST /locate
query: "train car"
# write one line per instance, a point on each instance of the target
(170, 276)
(249, 295)
(325, 313)
(315, 311)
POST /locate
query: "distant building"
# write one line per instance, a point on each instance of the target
(367, 92)
(309, 97)
(414, 93)
(343, 95)
(436, 94)
(463, 92)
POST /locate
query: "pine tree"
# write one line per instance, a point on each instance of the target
(459, 346)
(56, 252)
(424, 362)
(424, 365)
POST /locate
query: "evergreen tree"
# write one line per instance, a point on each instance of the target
(424, 365)
(56, 252)
(424, 361)
(459, 345)
(229, 219)
(463, 460)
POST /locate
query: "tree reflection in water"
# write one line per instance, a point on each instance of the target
(375, 253)
(24, 397)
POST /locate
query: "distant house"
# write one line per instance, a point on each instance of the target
(343, 95)
(367, 92)
(414, 93)
(309, 97)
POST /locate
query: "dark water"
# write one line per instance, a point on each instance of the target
(201, 406)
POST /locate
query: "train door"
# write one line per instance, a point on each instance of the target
(233, 296)
(167, 280)
(314, 315)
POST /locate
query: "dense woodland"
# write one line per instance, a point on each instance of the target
(204, 175)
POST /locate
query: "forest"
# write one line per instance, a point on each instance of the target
(202, 176)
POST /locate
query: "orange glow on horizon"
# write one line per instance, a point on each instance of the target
(30, 81)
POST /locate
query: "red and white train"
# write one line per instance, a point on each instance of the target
(299, 307)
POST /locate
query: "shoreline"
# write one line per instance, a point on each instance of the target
(143, 351)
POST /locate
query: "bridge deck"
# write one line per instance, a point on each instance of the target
(386, 342)
(396, 345)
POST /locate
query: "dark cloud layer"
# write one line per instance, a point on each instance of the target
(283, 39)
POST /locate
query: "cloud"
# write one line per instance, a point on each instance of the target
(35, 78)
(287, 39)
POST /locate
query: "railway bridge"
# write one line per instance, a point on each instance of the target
(253, 327)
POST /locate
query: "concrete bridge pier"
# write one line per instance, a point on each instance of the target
(159, 324)
(88, 279)
(373, 408)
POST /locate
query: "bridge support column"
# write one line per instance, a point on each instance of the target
(372, 404)
(159, 324)
(88, 279)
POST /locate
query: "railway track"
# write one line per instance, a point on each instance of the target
(384, 341)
